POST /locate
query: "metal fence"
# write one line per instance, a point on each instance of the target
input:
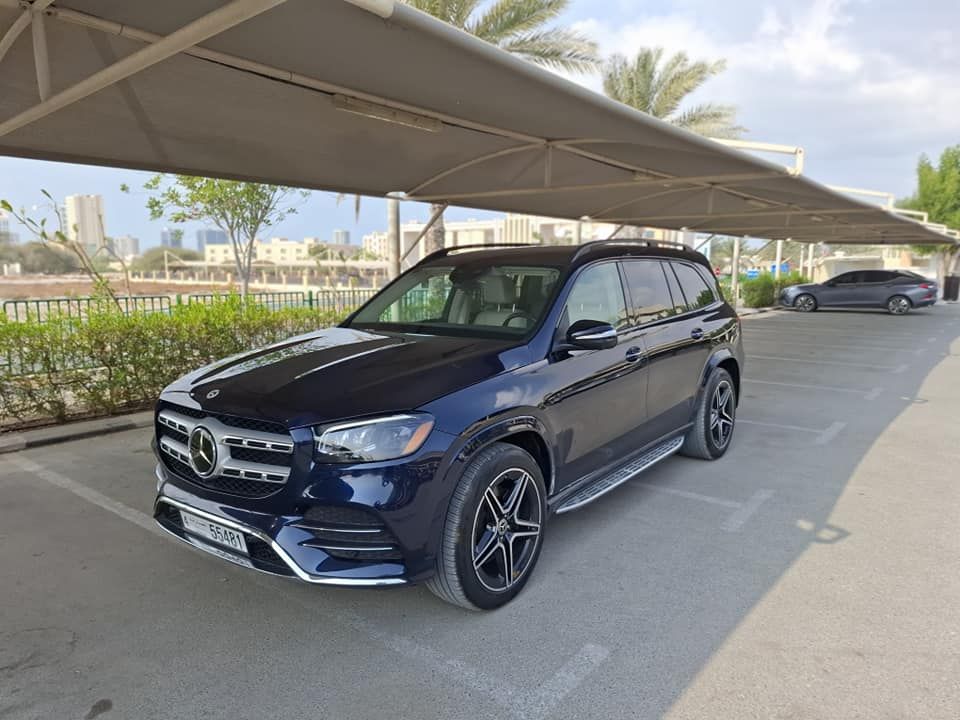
(41, 310)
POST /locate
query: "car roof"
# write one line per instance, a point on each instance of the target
(571, 256)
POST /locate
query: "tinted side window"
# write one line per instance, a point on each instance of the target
(649, 294)
(877, 276)
(679, 304)
(598, 295)
(844, 278)
(695, 290)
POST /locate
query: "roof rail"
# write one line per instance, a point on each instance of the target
(596, 244)
(443, 252)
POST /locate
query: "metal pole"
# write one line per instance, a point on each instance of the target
(735, 272)
(812, 258)
(803, 249)
(776, 269)
(393, 236)
(438, 213)
(40, 57)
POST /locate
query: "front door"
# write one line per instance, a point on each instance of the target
(842, 290)
(598, 396)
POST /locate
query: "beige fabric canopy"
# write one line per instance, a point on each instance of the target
(373, 97)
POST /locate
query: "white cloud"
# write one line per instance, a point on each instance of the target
(863, 87)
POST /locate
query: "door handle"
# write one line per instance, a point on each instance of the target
(634, 354)
(696, 334)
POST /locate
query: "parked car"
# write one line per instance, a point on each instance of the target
(899, 291)
(431, 435)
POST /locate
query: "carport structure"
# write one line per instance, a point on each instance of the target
(373, 97)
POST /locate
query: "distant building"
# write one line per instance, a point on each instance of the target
(6, 236)
(126, 246)
(171, 238)
(210, 237)
(376, 244)
(341, 237)
(85, 221)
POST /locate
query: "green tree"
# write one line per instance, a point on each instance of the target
(938, 195)
(521, 27)
(657, 86)
(240, 209)
(40, 258)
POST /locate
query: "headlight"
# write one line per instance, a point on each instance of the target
(384, 438)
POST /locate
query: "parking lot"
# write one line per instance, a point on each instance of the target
(811, 573)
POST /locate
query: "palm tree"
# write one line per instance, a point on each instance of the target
(657, 86)
(519, 27)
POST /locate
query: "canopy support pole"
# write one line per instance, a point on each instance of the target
(776, 268)
(735, 273)
(616, 232)
(426, 228)
(211, 24)
(393, 236)
(40, 56)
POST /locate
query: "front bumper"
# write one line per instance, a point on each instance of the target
(275, 545)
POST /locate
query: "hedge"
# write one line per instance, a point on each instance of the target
(110, 362)
(763, 291)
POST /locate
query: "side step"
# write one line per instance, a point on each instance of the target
(605, 484)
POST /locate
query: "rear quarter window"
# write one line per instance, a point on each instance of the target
(695, 290)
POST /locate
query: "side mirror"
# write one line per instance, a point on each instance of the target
(591, 335)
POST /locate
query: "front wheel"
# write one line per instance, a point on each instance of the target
(493, 530)
(899, 305)
(805, 303)
(716, 415)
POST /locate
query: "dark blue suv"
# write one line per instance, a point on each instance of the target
(431, 435)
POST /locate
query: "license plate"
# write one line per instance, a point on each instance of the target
(214, 532)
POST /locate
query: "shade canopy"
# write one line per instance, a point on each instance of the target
(373, 97)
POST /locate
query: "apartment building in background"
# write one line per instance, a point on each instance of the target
(7, 236)
(171, 238)
(210, 236)
(125, 246)
(85, 221)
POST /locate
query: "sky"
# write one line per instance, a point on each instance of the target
(864, 86)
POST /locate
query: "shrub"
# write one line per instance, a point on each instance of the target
(758, 292)
(111, 361)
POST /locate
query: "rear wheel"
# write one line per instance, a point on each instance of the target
(713, 425)
(899, 305)
(493, 530)
(805, 302)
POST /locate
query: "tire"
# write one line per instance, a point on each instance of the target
(477, 527)
(708, 439)
(805, 302)
(899, 305)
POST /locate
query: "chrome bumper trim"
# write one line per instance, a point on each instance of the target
(297, 570)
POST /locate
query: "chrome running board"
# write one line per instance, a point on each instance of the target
(605, 484)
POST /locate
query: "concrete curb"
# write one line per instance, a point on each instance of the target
(12, 442)
(747, 312)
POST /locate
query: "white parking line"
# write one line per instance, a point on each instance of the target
(520, 703)
(88, 494)
(859, 333)
(751, 356)
(692, 495)
(824, 435)
(871, 394)
(735, 522)
(884, 348)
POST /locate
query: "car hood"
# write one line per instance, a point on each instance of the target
(807, 286)
(342, 373)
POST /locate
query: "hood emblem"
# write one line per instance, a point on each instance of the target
(203, 451)
(212, 394)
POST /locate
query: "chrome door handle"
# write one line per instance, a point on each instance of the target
(634, 354)
(696, 334)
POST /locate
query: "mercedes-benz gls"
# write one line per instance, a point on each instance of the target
(430, 436)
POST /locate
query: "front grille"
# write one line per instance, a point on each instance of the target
(251, 462)
(348, 533)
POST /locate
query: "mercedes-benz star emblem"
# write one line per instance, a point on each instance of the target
(212, 394)
(203, 451)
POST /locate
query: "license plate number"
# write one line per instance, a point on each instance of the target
(214, 532)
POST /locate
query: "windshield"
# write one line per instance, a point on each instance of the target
(478, 299)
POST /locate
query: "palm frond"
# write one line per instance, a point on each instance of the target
(507, 18)
(711, 120)
(557, 48)
(455, 12)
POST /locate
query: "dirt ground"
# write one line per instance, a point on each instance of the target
(43, 286)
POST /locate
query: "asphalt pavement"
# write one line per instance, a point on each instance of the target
(811, 573)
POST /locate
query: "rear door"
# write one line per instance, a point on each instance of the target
(873, 288)
(678, 346)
